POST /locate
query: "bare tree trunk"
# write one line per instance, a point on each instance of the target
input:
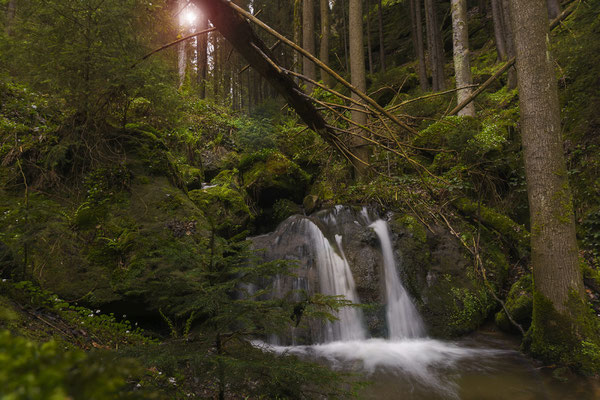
(11, 10)
(509, 41)
(181, 51)
(499, 27)
(297, 33)
(324, 48)
(369, 47)
(554, 9)
(308, 41)
(202, 49)
(381, 41)
(417, 36)
(462, 64)
(358, 75)
(435, 46)
(345, 36)
(561, 318)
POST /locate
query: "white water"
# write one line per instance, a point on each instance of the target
(335, 278)
(404, 321)
(424, 362)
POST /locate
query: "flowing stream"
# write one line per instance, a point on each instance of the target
(407, 365)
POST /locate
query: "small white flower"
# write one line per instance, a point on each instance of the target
(97, 311)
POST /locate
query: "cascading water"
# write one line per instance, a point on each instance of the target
(335, 278)
(403, 319)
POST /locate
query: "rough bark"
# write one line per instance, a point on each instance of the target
(181, 51)
(462, 64)
(202, 49)
(553, 9)
(308, 41)
(509, 40)
(435, 46)
(558, 309)
(358, 75)
(297, 32)
(369, 47)
(11, 10)
(417, 38)
(499, 29)
(324, 48)
(381, 41)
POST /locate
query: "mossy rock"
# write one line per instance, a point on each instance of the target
(269, 176)
(519, 303)
(451, 133)
(225, 208)
(284, 208)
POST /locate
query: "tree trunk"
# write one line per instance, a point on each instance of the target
(181, 51)
(417, 36)
(554, 9)
(345, 36)
(297, 33)
(509, 40)
(462, 64)
(560, 314)
(381, 41)
(435, 46)
(324, 48)
(357, 73)
(202, 49)
(308, 41)
(369, 47)
(11, 10)
(499, 27)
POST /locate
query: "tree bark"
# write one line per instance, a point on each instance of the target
(558, 282)
(202, 49)
(435, 46)
(324, 48)
(11, 10)
(462, 64)
(358, 75)
(369, 47)
(308, 41)
(297, 33)
(499, 26)
(417, 36)
(509, 40)
(554, 9)
(381, 38)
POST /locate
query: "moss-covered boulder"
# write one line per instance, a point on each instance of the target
(440, 274)
(268, 175)
(225, 207)
(519, 303)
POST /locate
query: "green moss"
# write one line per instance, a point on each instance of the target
(450, 132)
(416, 228)
(519, 304)
(570, 339)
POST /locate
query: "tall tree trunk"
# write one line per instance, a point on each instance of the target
(435, 46)
(358, 75)
(369, 47)
(345, 36)
(499, 27)
(297, 33)
(308, 40)
(324, 48)
(11, 10)
(202, 56)
(381, 41)
(181, 50)
(509, 40)
(554, 9)
(417, 37)
(462, 64)
(560, 316)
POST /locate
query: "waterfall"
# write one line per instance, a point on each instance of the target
(335, 278)
(402, 317)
